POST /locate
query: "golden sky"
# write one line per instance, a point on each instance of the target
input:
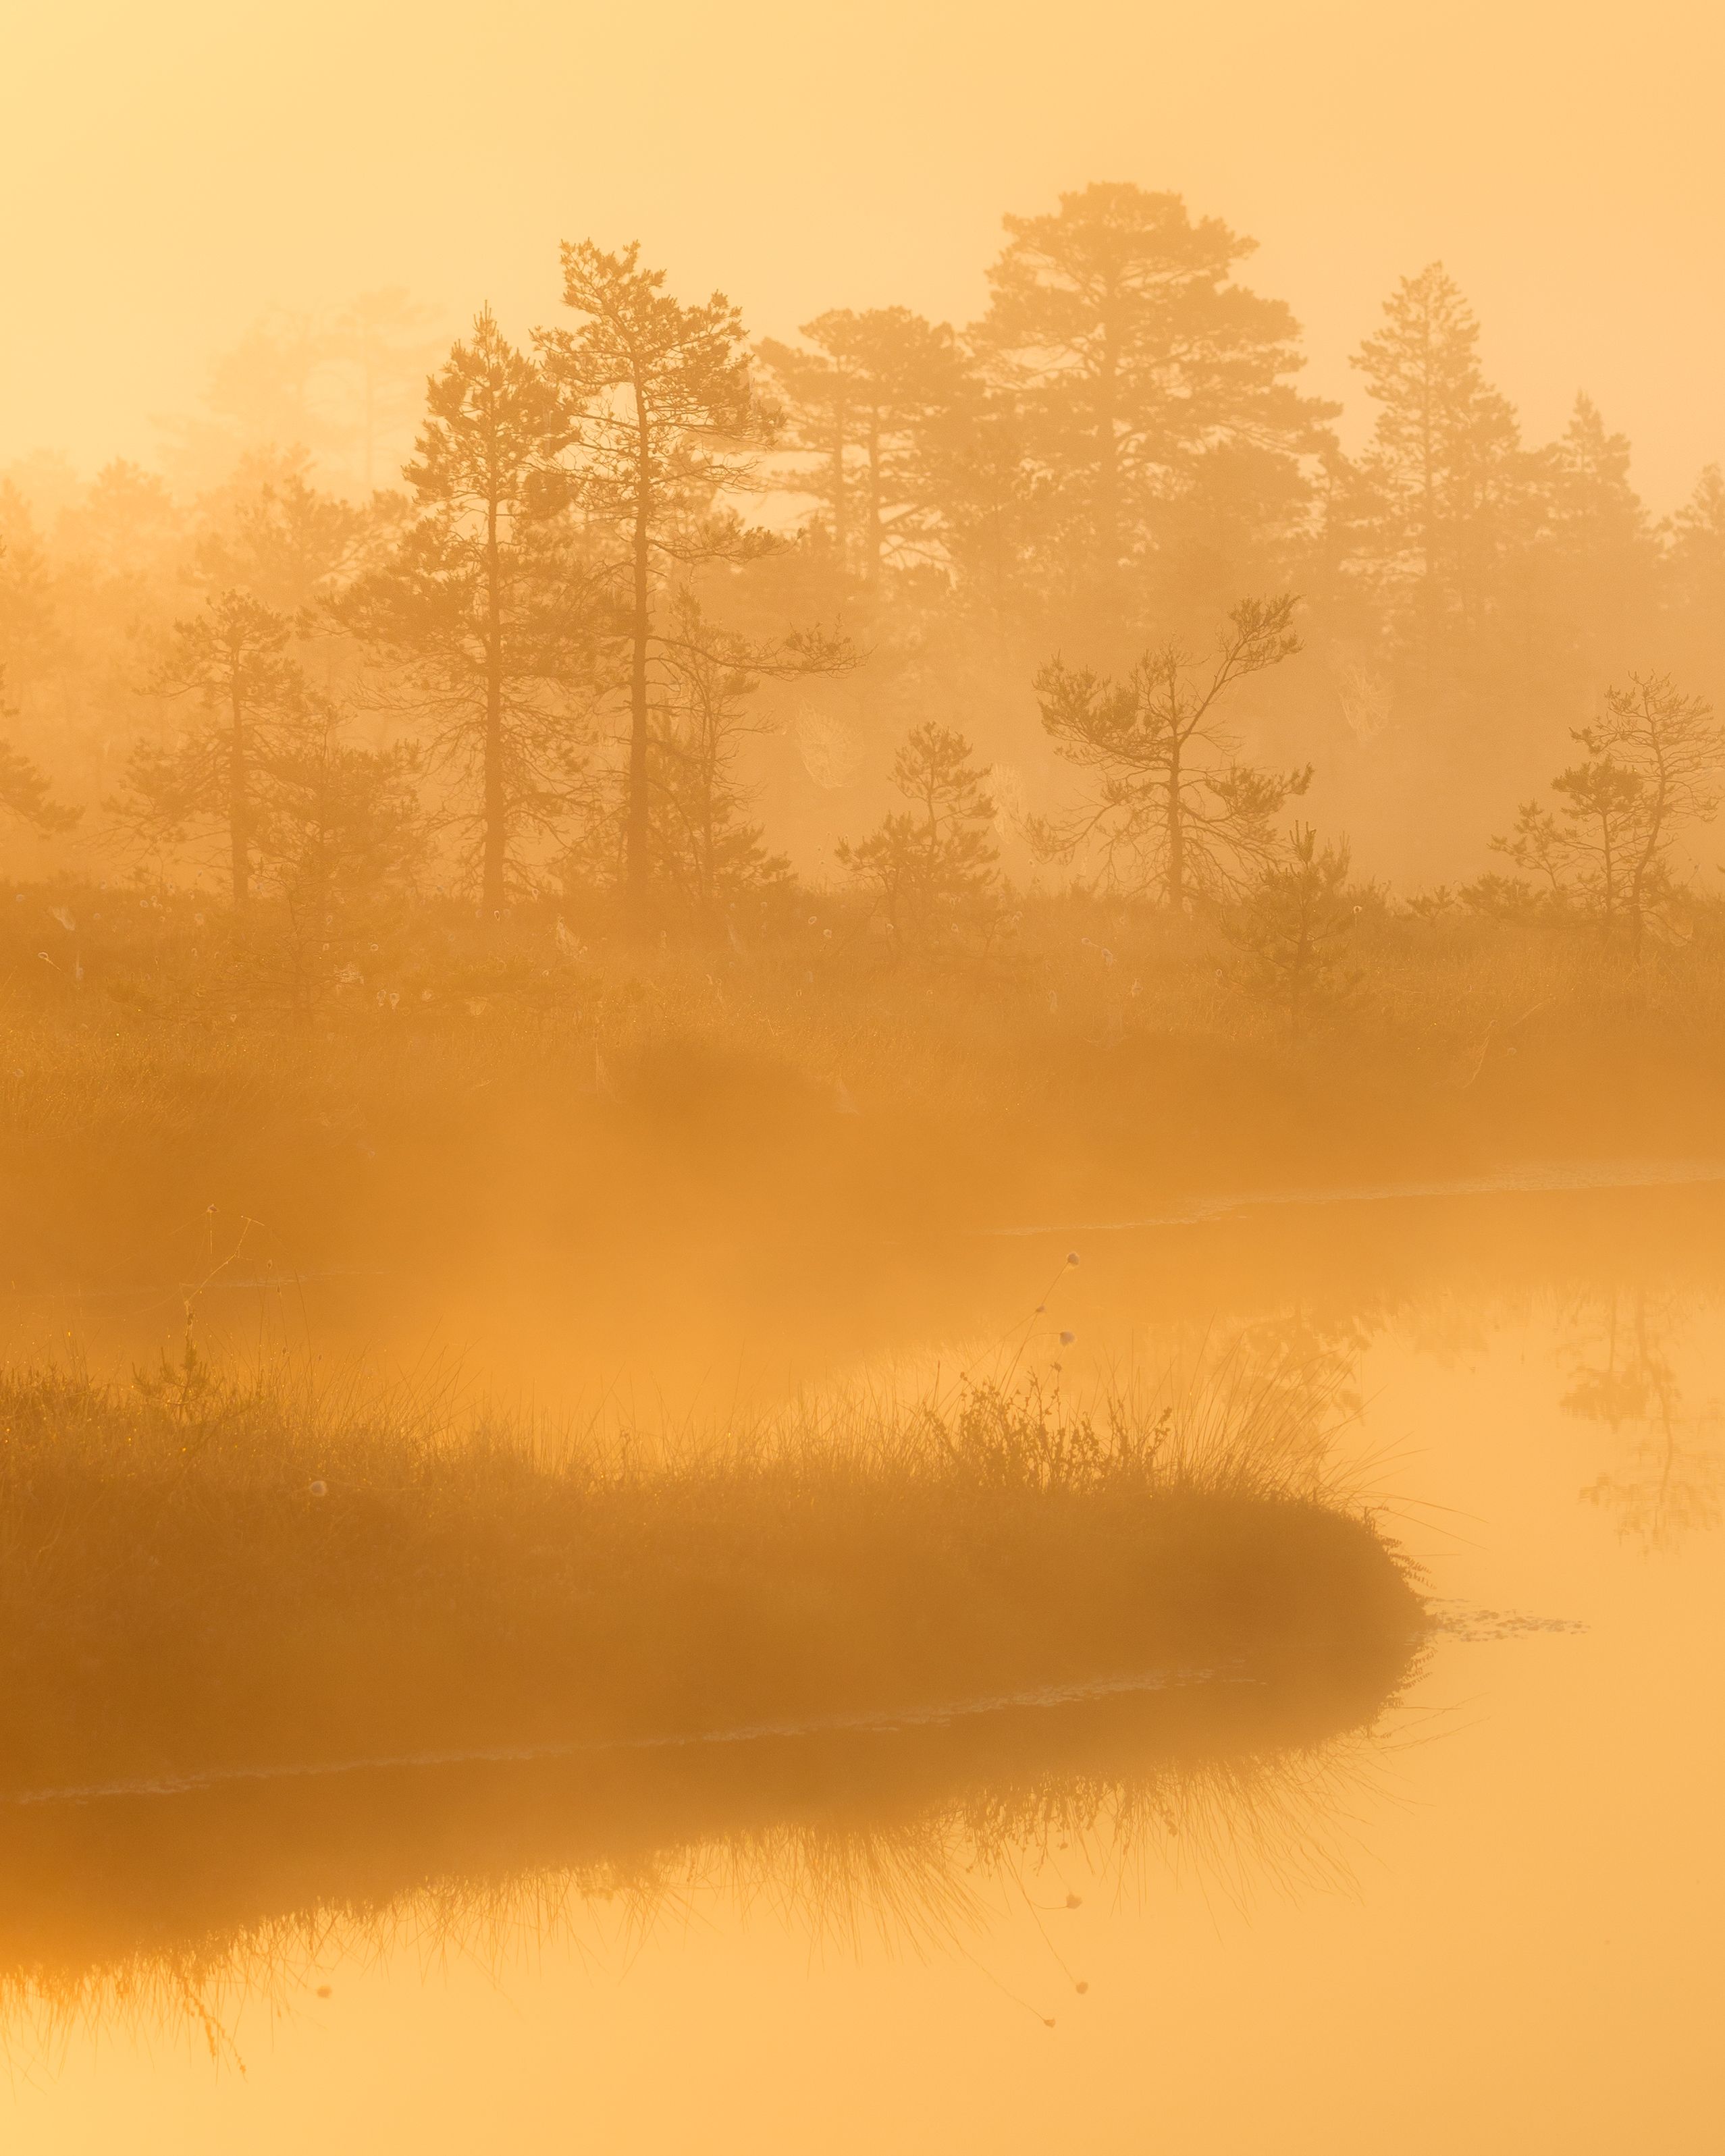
(170, 170)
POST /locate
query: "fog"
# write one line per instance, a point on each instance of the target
(173, 176)
(862, 1037)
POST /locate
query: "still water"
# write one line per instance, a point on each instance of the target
(1489, 1922)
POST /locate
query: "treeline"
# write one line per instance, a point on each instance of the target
(660, 615)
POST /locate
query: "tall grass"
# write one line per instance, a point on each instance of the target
(204, 1573)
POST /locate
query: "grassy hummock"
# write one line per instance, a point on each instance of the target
(201, 1574)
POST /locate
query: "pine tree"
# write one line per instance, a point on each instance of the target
(340, 831)
(1441, 482)
(1696, 573)
(481, 605)
(1581, 853)
(75, 611)
(1292, 927)
(27, 630)
(233, 663)
(1599, 544)
(1656, 762)
(271, 533)
(988, 508)
(931, 867)
(860, 403)
(24, 790)
(128, 527)
(1134, 357)
(705, 848)
(1594, 509)
(1170, 811)
(668, 418)
(706, 855)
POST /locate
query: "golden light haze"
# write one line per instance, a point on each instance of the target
(169, 172)
(862, 1062)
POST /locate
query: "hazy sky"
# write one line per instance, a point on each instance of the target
(170, 170)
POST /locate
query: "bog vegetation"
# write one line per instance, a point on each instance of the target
(1007, 728)
(674, 626)
(203, 1574)
(628, 780)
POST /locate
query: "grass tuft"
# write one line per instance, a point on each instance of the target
(207, 1571)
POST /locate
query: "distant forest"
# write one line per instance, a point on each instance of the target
(649, 606)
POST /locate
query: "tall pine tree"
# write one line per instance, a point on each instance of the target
(668, 418)
(1443, 483)
(24, 790)
(1600, 552)
(232, 669)
(481, 605)
(1696, 580)
(1134, 357)
(861, 401)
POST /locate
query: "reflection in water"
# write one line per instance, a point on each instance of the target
(1664, 1482)
(165, 1908)
(1578, 1743)
(684, 1327)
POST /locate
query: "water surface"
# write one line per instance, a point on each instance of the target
(1484, 1916)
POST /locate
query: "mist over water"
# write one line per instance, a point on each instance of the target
(1328, 1890)
(862, 1062)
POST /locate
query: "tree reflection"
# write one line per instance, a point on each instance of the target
(1663, 1483)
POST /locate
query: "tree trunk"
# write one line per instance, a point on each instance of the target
(239, 817)
(636, 827)
(841, 492)
(369, 377)
(1650, 849)
(496, 806)
(1429, 591)
(1176, 878)
(1108, 457)
(876, 542)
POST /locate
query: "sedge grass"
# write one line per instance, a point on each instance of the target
(208, 1573)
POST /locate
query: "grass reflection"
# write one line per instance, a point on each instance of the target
(295, 1676)
(174, 1909)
